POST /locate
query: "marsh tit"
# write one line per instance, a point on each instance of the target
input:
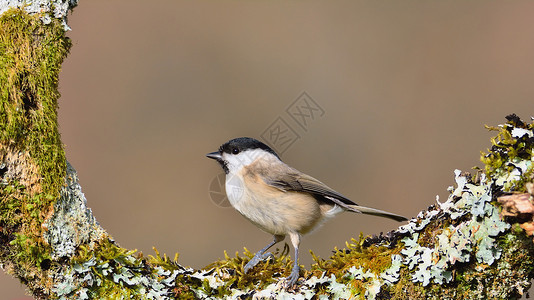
(278, 198)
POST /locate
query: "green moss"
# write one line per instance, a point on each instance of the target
(405, 288)
(375, 259)
(263, 274)
(109, 271)
(30, 59)
(107, 259)
(507, 151)
(501, 280)
(183, 283)
(371, 258)
(164, 261)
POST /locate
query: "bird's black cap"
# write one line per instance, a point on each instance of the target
(244, 143)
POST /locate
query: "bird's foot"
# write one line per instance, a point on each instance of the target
(293, 277)
(256, 259)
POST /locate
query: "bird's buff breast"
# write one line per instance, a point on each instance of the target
(272, 210)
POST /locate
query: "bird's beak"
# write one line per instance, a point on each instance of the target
(214, 155)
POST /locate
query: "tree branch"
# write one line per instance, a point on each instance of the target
(459, 248)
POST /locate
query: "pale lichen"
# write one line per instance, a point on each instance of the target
(72, 223)
(46, 9)
(462, 242)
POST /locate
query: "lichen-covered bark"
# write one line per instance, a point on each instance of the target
(461, 247)
(32, 160)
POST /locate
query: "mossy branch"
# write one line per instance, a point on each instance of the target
(459, 248)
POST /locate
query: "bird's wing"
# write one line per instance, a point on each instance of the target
(294, 180)
(289, 179)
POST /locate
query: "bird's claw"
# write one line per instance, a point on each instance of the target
(292, 278)
(256, 259)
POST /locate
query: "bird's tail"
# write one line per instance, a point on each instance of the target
(377, 212)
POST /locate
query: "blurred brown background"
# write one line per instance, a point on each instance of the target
(150, 87)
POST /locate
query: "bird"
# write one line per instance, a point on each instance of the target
(279, 199)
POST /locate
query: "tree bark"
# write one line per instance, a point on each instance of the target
(463, 247)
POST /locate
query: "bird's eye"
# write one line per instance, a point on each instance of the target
(235, 151)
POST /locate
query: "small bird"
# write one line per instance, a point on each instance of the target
(278, 198)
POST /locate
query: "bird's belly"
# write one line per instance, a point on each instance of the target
(275, 212)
